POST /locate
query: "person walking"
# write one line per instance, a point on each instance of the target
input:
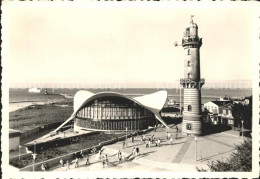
(61, 162)
(87, 160)
(169, 135)
(159, 142)
(81, 154)
(68, 165)
(106, 159)
(137, 151)
(149, 144)
(76, 163)
(103, 162)
(43, 168)
(171, 140)
(155, 128)
(133, 152)
(100, 154)
(123, 144)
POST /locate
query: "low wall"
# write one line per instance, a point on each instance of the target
(39, 129)
(22, 156)
(58, 142)
(55, 161)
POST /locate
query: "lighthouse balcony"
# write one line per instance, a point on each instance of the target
(192, 41)
(190, 83)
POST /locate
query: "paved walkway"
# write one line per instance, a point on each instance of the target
(177, 157)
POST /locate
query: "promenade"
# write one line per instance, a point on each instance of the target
(180, 156)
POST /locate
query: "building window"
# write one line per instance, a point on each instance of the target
(188, 63)
(188, 126)
(188, 51)
(189, 76)
(189, 107)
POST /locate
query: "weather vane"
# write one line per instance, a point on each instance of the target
(191, 17)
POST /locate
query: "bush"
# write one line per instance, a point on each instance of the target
(240, 161)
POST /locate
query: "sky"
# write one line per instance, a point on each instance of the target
(131, 47)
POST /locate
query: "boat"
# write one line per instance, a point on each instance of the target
(34, 90)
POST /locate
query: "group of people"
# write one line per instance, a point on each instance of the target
(44, 167)
(135, 151)
(75, 161)
(152, 140)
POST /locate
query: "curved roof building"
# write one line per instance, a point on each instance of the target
(115, 111)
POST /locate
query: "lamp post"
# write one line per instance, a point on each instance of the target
(242, 128)
(34, 157)
(196, 148)
(126, 136)
(34, 151)
(19, 152)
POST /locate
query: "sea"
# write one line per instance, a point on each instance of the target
(21, 95)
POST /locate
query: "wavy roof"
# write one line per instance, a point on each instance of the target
(153, 102)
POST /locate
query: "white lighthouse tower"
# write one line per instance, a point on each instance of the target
(192, 83)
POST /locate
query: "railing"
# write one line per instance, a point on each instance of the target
(188, 40)
(189, 80)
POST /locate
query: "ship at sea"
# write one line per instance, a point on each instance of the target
(34, 90)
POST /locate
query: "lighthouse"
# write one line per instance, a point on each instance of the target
(192, 83)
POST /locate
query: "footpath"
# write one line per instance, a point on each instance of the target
(178, 156)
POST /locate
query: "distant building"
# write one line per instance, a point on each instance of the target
(225, 114)
(213, 109)
(14, 139)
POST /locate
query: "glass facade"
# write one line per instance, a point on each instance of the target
(114, 113)
(112, 107)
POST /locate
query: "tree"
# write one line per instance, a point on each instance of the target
(240, 160)
(242, 112)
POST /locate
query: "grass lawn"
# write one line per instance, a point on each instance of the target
(36, 115)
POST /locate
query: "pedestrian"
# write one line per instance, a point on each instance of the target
(106, 159)
(177, 128)
(123, 144)
(46, 166)
(133, 152)
(144, 137)
(103, 162)
(68, 165)
(61, 162)
(87, 161)
(118, 153)
(149, 144)
(43, 168)
(137, 150)
(120, 159)
(76, 163)
(171, 140)
(100, 154)
(152, 139)
(81, 154)
(169, 135)
(159, 141)
(154, 128)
